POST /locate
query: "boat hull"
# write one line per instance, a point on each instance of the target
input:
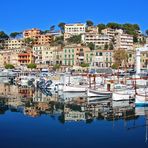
(73, 89)
(141, 100)
(118, 96)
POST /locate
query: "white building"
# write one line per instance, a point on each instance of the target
(74, 29)
(124, 41)
(111, 32)
(98, 39)
(14, 43)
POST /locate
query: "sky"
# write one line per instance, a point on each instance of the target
(18, 15)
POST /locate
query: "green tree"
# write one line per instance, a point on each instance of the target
(101, 27)
(3, 35)
(76, 39)
(120, 57)
(58, 41)
(89, 23)
(31, 66)
(14, 34)
(114, 25)
(114, 66)
(84, 65)
(91, 46)
(1, 47)
(111, 46)
(29, 41)
(61, 26)
(56, 66)
(135, 39)
(9, 66)
(106, 46)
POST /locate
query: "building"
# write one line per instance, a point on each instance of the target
(144, 59)
(31, 33)
(8, 57)
(92, 29)
(25, 58)
(124, 41)
(74, 29)
(146, 40)
(100, 58)
(14, 43)
(43, 39)
(74, 55)
(47, 55)
(95, 38)
(37, 52)
(111, 32)
(58, 55)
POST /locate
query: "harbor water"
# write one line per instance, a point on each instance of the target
(41, 119)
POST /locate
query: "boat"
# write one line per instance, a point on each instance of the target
(96, 99)
(123, 95)
(123, 92)
(141, 99)
(70, 88)
(98, 93)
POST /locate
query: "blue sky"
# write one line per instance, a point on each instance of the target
(18, 15)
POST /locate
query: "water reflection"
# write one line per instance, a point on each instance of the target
(69, 107)
(75, 107)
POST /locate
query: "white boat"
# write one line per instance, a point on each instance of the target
(141, 99)
(96, 99)
(123, 95)
(68, 88)
(122, 92)
(98, 93)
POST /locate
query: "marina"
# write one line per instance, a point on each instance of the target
(68, 108)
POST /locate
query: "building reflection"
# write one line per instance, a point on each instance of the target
(34, 103)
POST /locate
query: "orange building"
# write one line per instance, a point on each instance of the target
(25, 58)
(32, 33)
(40, 39)
(43, 39)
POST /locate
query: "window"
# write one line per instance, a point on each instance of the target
(100, 54)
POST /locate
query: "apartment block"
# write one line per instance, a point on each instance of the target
(124, 41)
(111, 32)
(92, 29)
(31, 33)
(14, 43)
(74, 55)
(25, 58)
(100, 58)
(74, 29)
(97, 39)
(8, 57)
(43, 39)
(37, 52)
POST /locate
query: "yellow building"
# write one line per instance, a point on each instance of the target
(14, 43)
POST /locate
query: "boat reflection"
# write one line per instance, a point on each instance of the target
(75, 107)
